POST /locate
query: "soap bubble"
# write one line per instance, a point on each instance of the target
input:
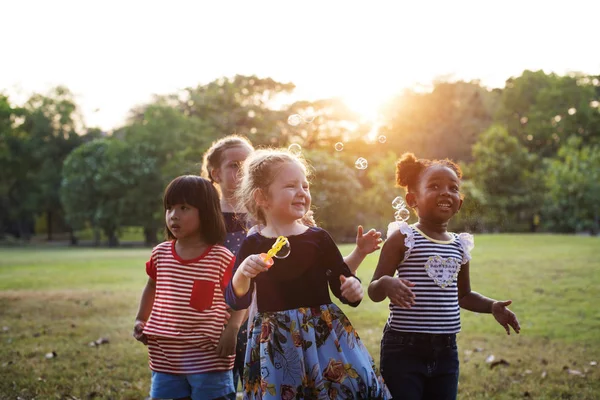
(295, 119)
(284, 251)
(398, 203)
(402, 214)
(295, 149)
(339, 146)
(361, 163)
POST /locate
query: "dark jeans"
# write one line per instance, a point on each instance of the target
(419, 366)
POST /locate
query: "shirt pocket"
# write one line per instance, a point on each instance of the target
(202, 294)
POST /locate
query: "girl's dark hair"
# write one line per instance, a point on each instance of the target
(409, 169)
(200, 193)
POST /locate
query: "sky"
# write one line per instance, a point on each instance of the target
(114, 55)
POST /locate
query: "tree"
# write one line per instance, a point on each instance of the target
(335, 194)
(509, 177)
(106, 184)
(17, 181)
(543, 110)
(573, 181)
(444, 123)
(52, 123)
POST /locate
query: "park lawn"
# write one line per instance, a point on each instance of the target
(61, 299)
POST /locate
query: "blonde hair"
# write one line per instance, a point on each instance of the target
(213, 156)
(258, 173)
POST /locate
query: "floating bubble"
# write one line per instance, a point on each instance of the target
(402, 214)
(398, 203)
(295, 119)
(361, 163)
(308, 118)
(284, 251)
(381, 139)
(524, 120)
(530, 137)
(594, 103)
(295, 149)
(557, 118)
(339, 146)
(572, 111)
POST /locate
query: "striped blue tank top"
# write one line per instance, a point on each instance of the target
(433, 266)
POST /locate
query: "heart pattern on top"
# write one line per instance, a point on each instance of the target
(443, 271)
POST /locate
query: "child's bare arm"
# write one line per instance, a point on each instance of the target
(145, 308)
(228, 339)
(383, 283)
(473, 301)
(365, 244)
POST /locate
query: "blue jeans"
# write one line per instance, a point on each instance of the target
(419, 366)
(206, 386)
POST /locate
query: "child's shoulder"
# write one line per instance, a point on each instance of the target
(164, 246)
(399, 227)
(221, 250)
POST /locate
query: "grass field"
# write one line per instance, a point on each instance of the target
(61, 299)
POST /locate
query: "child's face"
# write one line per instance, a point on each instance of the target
(183, 220)
(288, 197)
(438, 196)
(227, 174)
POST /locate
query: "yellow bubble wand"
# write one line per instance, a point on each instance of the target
(278, 245)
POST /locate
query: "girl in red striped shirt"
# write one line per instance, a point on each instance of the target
(182, 313)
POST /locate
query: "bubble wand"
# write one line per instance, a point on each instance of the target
(277, 246)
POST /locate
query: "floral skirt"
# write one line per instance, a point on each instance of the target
(308, 353)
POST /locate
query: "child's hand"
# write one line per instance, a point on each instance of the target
(369, 242)
(351, 289)
(252, 266)
(504, 316)
(399, 293)
(138, 331)
(227, 342)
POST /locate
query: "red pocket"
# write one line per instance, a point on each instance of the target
(202, 294)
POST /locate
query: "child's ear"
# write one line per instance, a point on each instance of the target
(214, 174)
(411, 200)
(260, 198)
(459, 205)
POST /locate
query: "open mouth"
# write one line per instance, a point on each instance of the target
(444, 205)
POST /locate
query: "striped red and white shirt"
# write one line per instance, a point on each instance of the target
(189, 310)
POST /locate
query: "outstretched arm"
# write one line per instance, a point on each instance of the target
(365, 244)
(473, 301)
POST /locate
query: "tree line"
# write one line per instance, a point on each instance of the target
(530, 153)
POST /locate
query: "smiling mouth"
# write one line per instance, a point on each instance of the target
(444, 206)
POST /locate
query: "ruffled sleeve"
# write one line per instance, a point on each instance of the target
(467, 243)
(406, 230)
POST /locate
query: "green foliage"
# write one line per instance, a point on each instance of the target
(442, 124)
(543, 110)
(506, 173)
(335, 190)
(109, 185)
(573, 181)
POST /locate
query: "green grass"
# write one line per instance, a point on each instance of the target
(62, 299)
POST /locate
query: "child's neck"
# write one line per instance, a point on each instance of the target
(228, 204)
(433, 229)
(279, 228)
(190, 247)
